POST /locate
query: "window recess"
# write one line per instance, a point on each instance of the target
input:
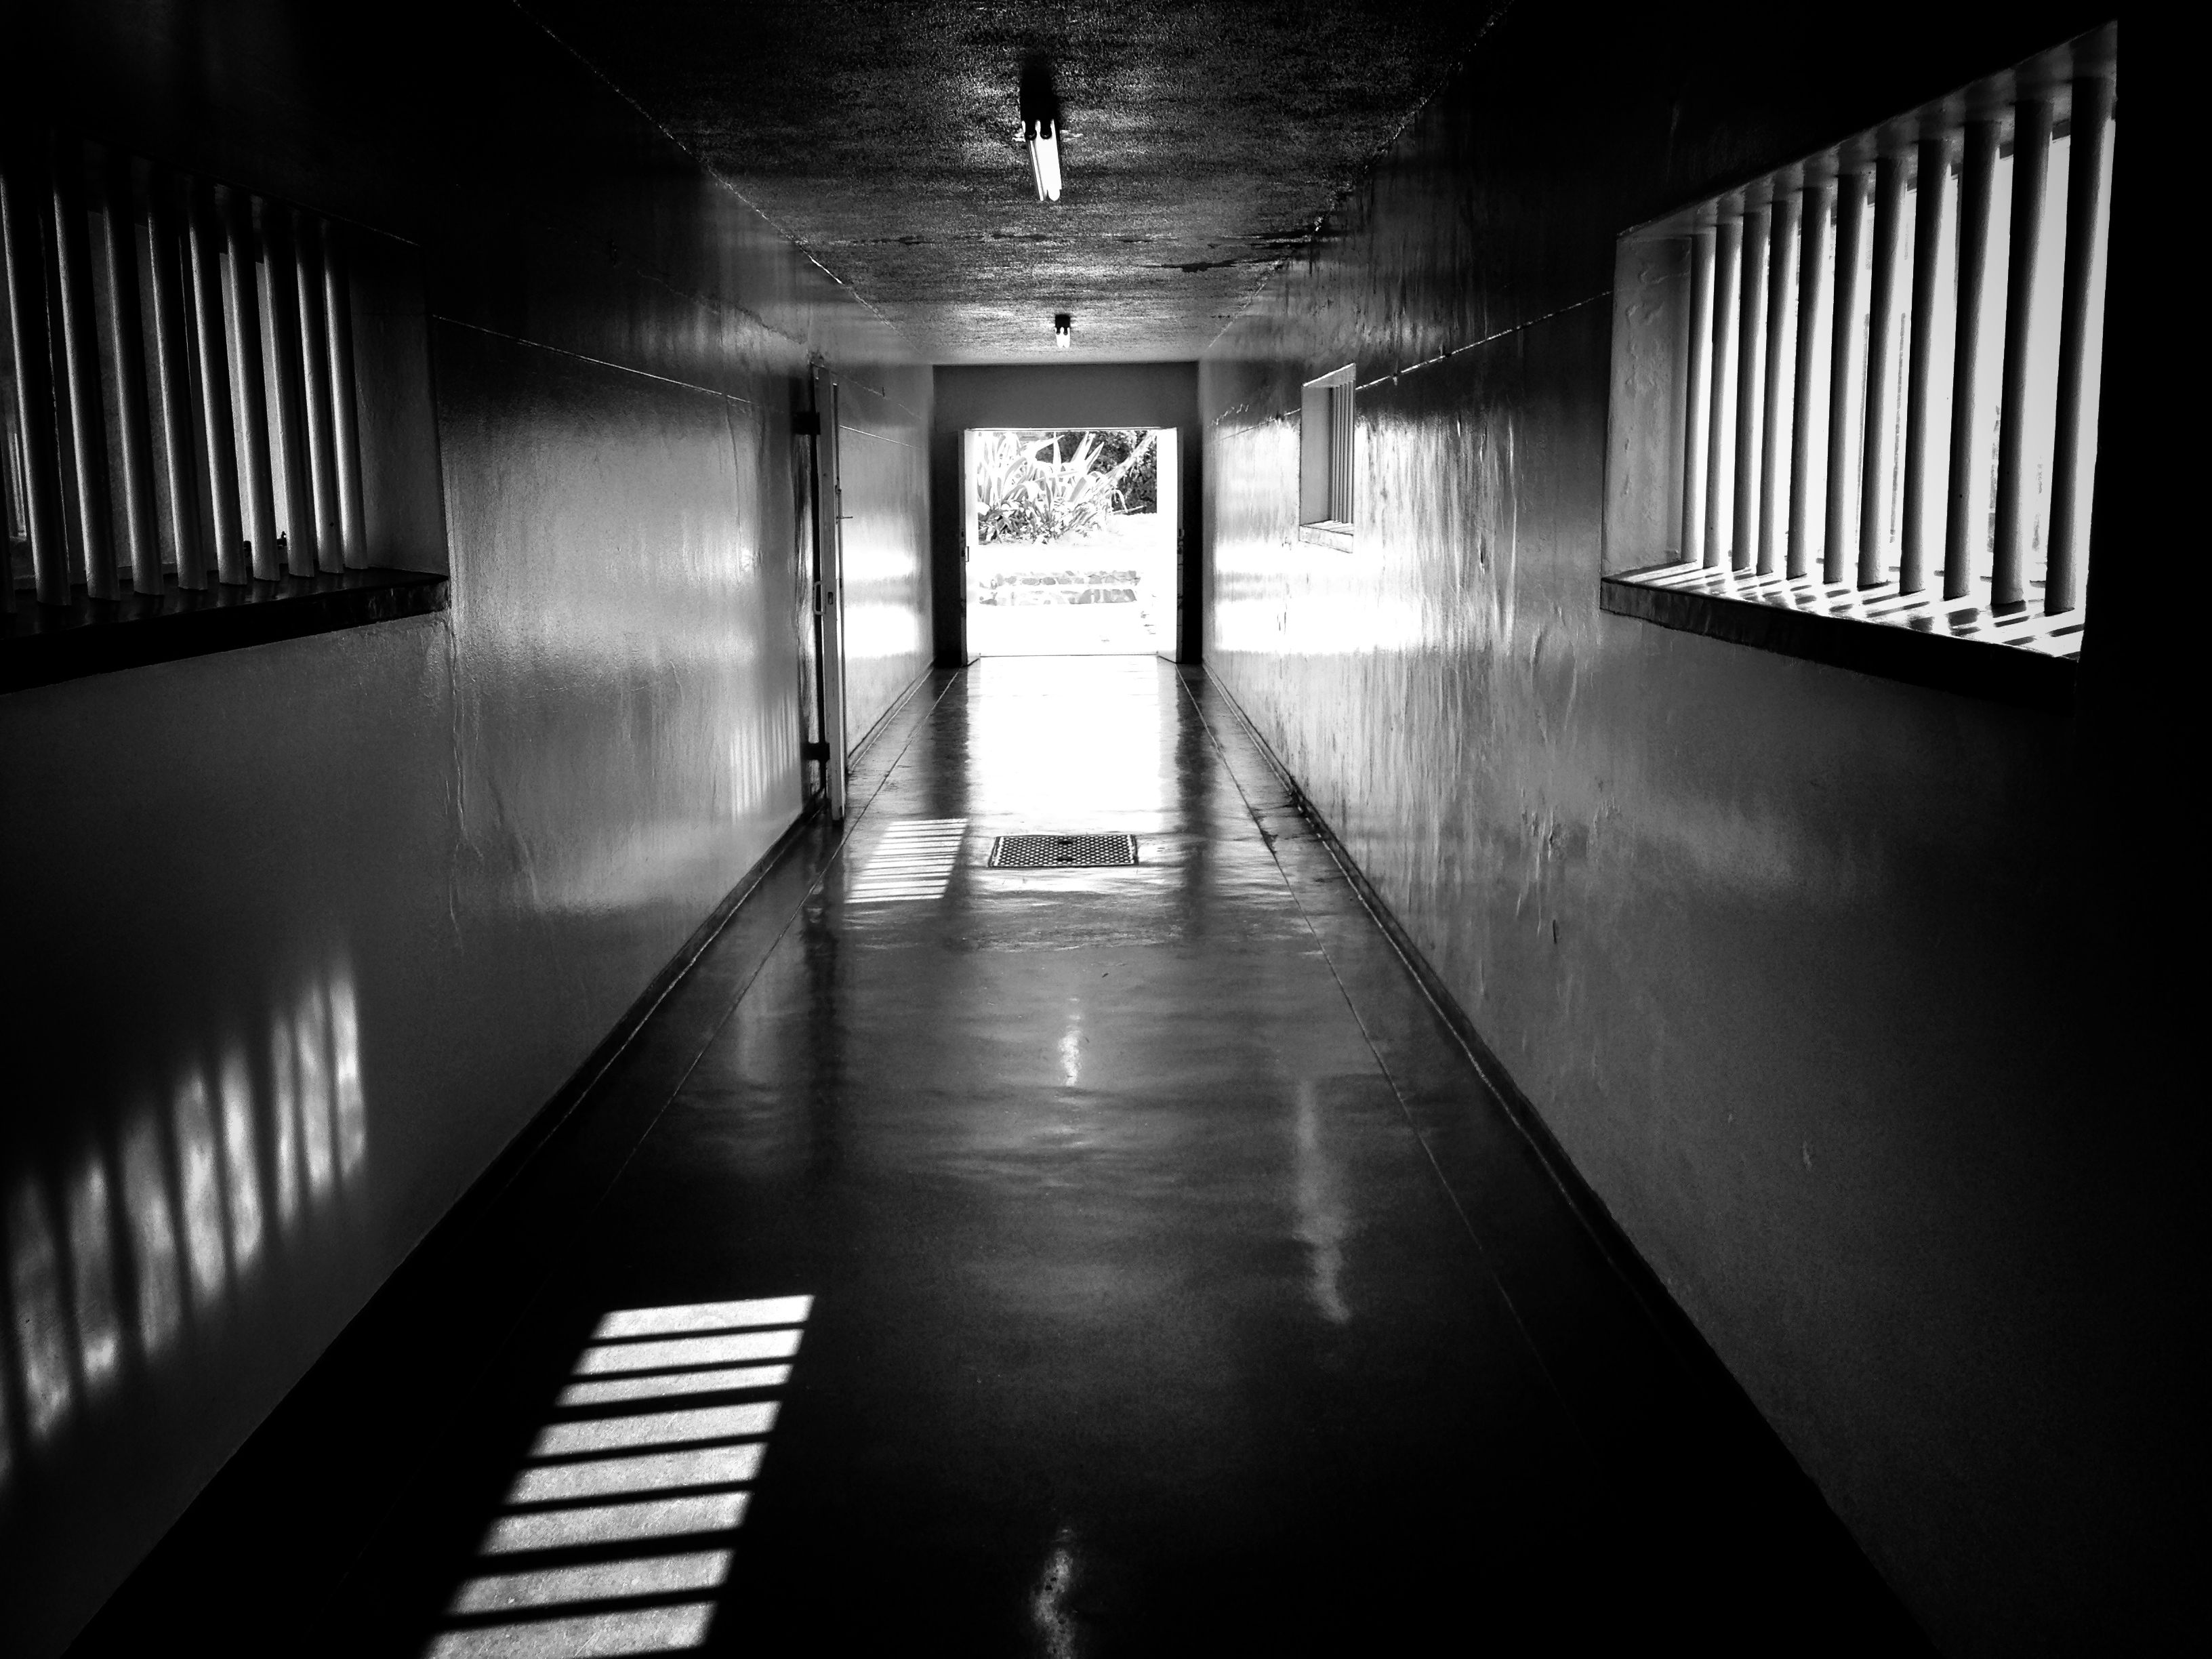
(1325, 482)
(1855, 402)
(184, 466)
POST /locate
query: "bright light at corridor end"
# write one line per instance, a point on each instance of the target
(1043, 137)
(1063, 331)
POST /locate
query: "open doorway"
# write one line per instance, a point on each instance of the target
(1072, 540)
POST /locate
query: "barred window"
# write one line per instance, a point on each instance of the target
(181, 428)
(1877, 397)
(1325, 458)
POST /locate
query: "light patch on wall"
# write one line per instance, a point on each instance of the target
(99, 1324)
(42, 1337)
(7, 1428)
(1049, 1612)
(345, 1075)
(201, 1187)
(244, 1184)
(193, 1192)
(153, 1236)
(284, 1104)
(877, 629)
(311, 1047)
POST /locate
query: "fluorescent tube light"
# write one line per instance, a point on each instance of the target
(1044, 157)
(1063, 331)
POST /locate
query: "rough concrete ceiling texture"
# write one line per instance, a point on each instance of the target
(1204, 139)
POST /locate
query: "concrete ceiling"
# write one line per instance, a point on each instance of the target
(1203, 141)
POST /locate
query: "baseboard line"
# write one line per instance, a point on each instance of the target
(875, 728)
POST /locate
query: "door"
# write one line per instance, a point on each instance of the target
(1170, 510)
(969, 511)
(829, 589)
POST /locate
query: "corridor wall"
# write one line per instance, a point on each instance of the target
(299, 937)
(1817, 978)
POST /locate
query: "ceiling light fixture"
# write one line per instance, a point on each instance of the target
(1063, 330)
(1040, 111)
(1044, 156)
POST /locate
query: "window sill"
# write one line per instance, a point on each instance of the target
(43, 644)
(1334, 536)
(2032, 662)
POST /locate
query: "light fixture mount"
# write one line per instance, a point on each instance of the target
(1040, 101)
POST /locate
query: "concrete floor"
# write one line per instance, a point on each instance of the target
(1177, 1285)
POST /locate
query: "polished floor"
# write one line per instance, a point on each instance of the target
(1117, 1260)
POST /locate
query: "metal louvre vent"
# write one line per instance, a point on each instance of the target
(1061, 851)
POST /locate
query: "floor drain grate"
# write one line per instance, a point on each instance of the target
(1061, 851)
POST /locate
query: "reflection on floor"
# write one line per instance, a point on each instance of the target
(1176, 1286)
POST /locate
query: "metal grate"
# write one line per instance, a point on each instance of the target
(1061, 851)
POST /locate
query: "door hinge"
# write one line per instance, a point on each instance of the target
(817, 598)
(814, 751)
(807, 424)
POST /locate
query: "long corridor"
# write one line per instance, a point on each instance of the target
(1110, 1260)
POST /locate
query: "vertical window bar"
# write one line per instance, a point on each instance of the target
(1313, 454)
(1807, 452)
(2031, 166)
(170, 383)
(1781, 364)
(249, 383)
(1882, 387)
(23, 237)
(1846, 383)
(1933, 219)
(1966, 529)
(315, 362)
(1750, 386)
(345, 417)
(218, 431)
(1697, 393)
(84, 427)
(123, 341)
(1728, 268)
(281, 300)
(1339, 454)
(2081, 340)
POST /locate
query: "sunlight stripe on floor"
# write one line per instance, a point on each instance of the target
(560, 1500)
(587, 1636)
(601, 1581)
(913, 860)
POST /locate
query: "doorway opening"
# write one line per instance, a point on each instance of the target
(1071, 539)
